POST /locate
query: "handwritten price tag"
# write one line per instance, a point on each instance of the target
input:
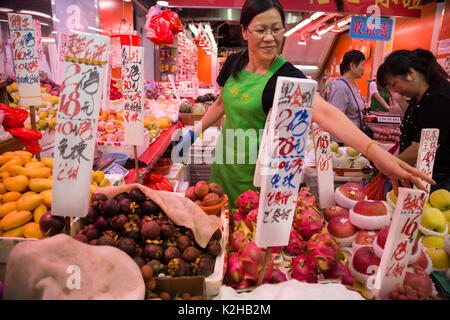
(61, 55)
(39, 53)
(25, 57)
(427, 153)
(400, 240)
(281, 159)
(84, 71)
(133, 94)
(324, 165)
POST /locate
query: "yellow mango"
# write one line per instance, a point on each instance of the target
(2, 188)
(28, 193)
(17, 170)
(11, 196)
(34, 160)
(47, 201)
(29, 203)
(4, 175)
(43, 172)
(105, 183)
(39, 212)
(17, 183)
(25, 160)
(23, 153)
(98, 176)
(10, 163)
(48, 162)
(94, 183)
(7, 208)
(40, 184)
(34, 164)
(15, 219)
(50, 178)
(32, 230)
(93, 188)
(4, 159)
(15, 233)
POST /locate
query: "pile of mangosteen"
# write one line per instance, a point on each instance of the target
(139, 227)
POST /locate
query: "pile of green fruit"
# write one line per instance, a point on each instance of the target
(138, 226)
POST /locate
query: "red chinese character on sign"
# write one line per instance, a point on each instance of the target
(32, 66)
(127, 115)
(98, 52)
(134, 118)
(297, 165)
(371, 28)
(75, 45)
(85, 126)
(429, 157)
(278, 198)
(395, 270)
(384, 30)
(400, 251)
(357, 27)
(415, 203)
(297, 97)
(18, 23)
(137, 97)
(322, 143)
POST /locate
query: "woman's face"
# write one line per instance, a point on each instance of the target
(358, 69)
(264, 35)
(401, 85)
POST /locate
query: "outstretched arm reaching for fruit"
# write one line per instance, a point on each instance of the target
(336, 123)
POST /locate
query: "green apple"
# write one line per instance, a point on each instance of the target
(440, 199)
(439, 257)
(433, 219)
(433, 242)
(334, 146)
(351, 152)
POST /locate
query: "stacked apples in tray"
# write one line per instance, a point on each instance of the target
(362, 226)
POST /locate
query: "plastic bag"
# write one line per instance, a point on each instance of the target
(151, 12)
(157, 181)
(162, 27)
(13, 118)
(174, 20)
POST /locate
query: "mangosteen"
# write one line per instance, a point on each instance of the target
(153, 251)
(110, 208)
(177, 267)
(134, 218)
(92, 232)
(214, 248)
(171, 242)
(205, 266)
(138, 211)
(217, 235)
(156, 265)
(93, 242)
(51, 225)
(81, 237)
(105, 241)
(191, 254)
(150, 208)
(139, 261)
(121, 196)
(113, 234)
(91, 216)
(117, 222)
(139, 250)
(126, 206)
(101, 224)
(183, 242)
(131, 230)
(136, 195)
(128, 245)
(97, 200)
(167, 231)
(144, 220)
(171, 253)
(150, 230)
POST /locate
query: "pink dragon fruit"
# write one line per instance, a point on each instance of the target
(308, 222)
(274, 275)
(235, 270)
(323, 240)
(340, 271)
(250, 219)
(276, 250)
(302, 270)
(252, 258)
(323, 249)
(305, 198)
(236, 218)
(243, 285)
(237, 240)
(296, 244)
(247, 201)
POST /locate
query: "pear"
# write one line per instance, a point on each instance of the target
(433, 242)
(351, 152)
(334, 146)
(43, 124)
(427, 205)
(440, 199)
(433, 219)
(439, 257)
(43, 115)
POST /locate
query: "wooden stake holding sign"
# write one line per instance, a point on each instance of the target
(399, 243)
(427, 153)
(26, 65)
(133, 96)
(324, 165)
(84, 72)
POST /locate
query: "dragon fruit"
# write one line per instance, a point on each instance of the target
(308, 222)
(296, 244)
(235, 270)
(252, 258)
(237, 240)
(305, 198)
(340, 271)
(236, 218)
(323, 249)
(323, 240)
(274, 275)
(250, 219)
(302, 270)
(243, 284)
(247, 201)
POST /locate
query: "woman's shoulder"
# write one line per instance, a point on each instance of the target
(289, 70)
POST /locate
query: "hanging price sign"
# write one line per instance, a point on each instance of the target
(23, 40)
(427, 153)
(39, 52)
(324, 165)
(61, 56)
(81, 88)
(281, 159)
(400, 241)
(133, 94)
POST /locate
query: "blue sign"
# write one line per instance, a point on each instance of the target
(370, 28)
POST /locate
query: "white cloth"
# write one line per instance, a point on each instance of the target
(372, 88)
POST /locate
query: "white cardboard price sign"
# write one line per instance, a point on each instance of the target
(23, 40)
(76, 131)
(400, 241)
(39, 53)
(427, 153)
(61, 55)
(133, 94)
(324, 165)
(286, 137)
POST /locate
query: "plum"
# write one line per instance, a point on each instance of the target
(51, 225)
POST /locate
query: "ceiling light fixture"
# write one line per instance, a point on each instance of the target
(316, 36)
(6, 10)
(303, 23)
(306, 67)
(35, 13)
(336, 28)
(95, 29)
(163, 3)
(302, 41)
(193, 29)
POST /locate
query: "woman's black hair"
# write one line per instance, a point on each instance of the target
(251, 9)
(352, 56)
(380, 76)
(399, 63)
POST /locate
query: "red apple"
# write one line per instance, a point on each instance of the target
(418, 280)
(382, 236)
(353, 191)
(365, 238)
(415, 247)
(370, 208)
(422, 261)
(363, 258)
(335, 211)
(341, 227)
